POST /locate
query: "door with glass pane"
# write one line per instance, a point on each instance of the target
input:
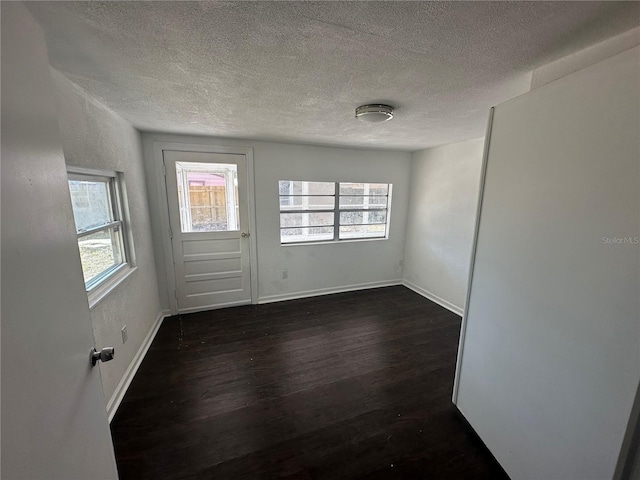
(209, 218)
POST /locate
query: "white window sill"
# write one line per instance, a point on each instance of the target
(333, 242)
(100, 292)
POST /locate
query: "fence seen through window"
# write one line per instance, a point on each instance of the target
(208, 196)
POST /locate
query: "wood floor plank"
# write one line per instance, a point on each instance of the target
(346, 386)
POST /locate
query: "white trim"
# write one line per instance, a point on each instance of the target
(434, 298)
(327, 291)
(463, 326)
(333, 242)
(158, 163)
(125, 381)
(109, 284)
(91, 172)
(163, 209)
(253, 229)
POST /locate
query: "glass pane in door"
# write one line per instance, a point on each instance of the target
(208, 197)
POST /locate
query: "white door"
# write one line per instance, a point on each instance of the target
(54, 419)
(209, 218)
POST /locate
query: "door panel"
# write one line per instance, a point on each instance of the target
(196, 248)
(219, 265)
(54, 419)
(550, 359)
(208, 215)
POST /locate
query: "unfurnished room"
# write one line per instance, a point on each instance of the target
(320, 240)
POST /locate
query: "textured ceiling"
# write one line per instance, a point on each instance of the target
(295, 71)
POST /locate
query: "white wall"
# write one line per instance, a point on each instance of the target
(584, 58)
(312, 269)
(440, 224)
(551, 356)
(95, 137)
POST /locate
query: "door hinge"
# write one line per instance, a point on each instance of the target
(170, 233)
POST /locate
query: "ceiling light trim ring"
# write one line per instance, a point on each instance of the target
(375, 112)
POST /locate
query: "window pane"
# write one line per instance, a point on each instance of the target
(364, 189)
(356, 218)
(305, 219)
(362, 210)
(99, 252)
(91, 204)
(306, 203)
(290, 187)
(362, 231)
(358, 202)
(208, 196)
(306, 234)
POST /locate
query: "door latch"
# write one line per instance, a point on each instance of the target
(104, 355)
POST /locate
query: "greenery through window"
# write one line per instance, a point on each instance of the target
(99, 227)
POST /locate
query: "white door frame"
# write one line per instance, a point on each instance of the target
(158, 149)
(472, 260)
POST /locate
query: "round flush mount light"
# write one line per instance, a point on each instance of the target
(374, 113)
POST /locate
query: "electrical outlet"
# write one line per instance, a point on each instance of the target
(124, 334)
(285, 274)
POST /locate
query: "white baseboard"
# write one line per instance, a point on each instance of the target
(434, 298)
(327, 291)
(121, 389)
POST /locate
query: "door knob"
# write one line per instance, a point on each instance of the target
(104, 355)
(245, 234)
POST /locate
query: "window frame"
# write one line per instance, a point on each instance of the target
(386, 209)
(336, 210)
(101, 285)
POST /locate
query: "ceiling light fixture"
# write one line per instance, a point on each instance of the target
(374, 113)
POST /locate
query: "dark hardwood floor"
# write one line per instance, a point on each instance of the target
(346, 386)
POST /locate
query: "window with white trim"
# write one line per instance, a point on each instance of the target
(97, 201)
(333, 211)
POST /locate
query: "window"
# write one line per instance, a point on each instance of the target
(208, 197)
(307, 211)
(326, 211)
(97, 202)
